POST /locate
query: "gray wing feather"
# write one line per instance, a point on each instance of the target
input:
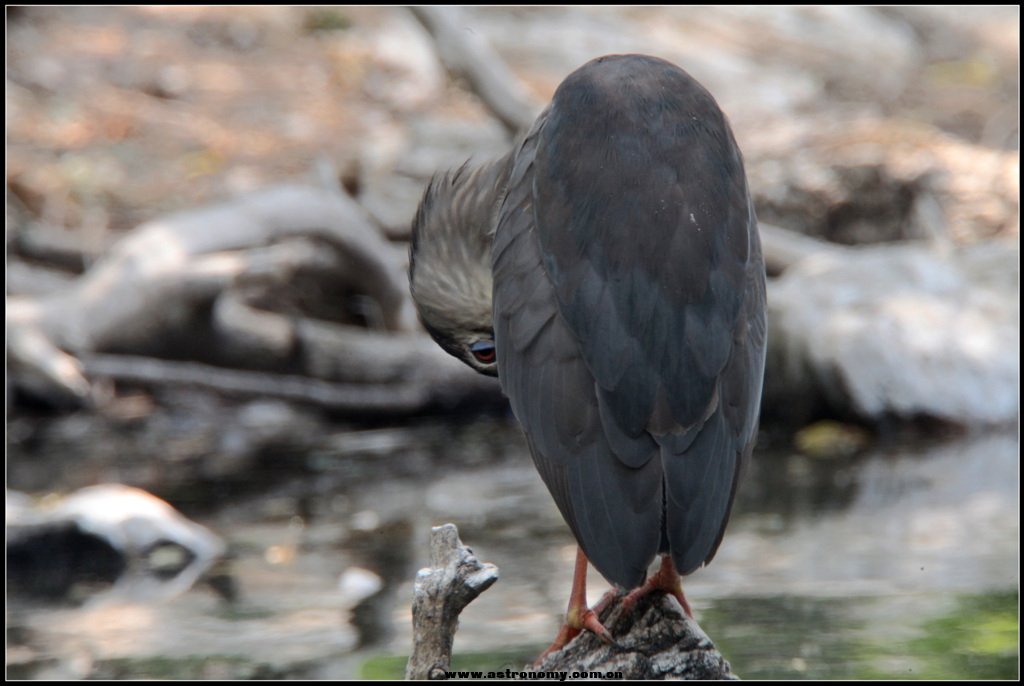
(614, 510)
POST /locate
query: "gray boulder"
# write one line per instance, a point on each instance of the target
(904, 332)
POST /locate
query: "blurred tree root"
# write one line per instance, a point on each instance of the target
(290, 292)
(469, 55)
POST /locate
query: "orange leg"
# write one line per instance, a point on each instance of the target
(667, 580)
(578, 616)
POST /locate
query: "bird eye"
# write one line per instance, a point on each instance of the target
(483, 351)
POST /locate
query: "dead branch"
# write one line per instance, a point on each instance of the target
(454, 579)
(24, 278)
(345, 397)
(164, 275)
(194, 255)
(442, 384)
(58, 247)
(469, 55)
(45, 369)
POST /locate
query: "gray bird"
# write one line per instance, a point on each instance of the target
(608, 270)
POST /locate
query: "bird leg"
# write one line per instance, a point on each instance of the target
(667, 580)
(578, 616)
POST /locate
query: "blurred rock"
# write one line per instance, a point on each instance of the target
(840, 46)
(110, 538)
(759, 62)
(545, 45)
(949, 32)
(243, 32)
(866, 180)
(897, 332)
(970, 83)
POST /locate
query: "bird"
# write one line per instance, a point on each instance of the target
(608, 271)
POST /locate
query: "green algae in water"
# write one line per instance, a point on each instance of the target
(790, 637)
(979, 640)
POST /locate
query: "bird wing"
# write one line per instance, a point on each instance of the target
(613, 509)
(650, 274)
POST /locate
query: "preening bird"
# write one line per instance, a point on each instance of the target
(608, 270)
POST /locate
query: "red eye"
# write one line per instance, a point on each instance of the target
(483, 351)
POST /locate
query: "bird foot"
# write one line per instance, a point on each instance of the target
(607, 599)
(574, 625)
(578, 616)
(665, 580)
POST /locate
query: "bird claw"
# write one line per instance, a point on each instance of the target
(607, 599)
(666, 580)
(565, 634)
(592, 624)
(588, 621)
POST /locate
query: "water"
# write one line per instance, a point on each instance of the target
(898, 563)
(913, 636)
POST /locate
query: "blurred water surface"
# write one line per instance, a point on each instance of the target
(900, 562)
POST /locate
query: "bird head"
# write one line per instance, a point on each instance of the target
(450, 260)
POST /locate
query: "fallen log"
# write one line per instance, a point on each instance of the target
(154, 293)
